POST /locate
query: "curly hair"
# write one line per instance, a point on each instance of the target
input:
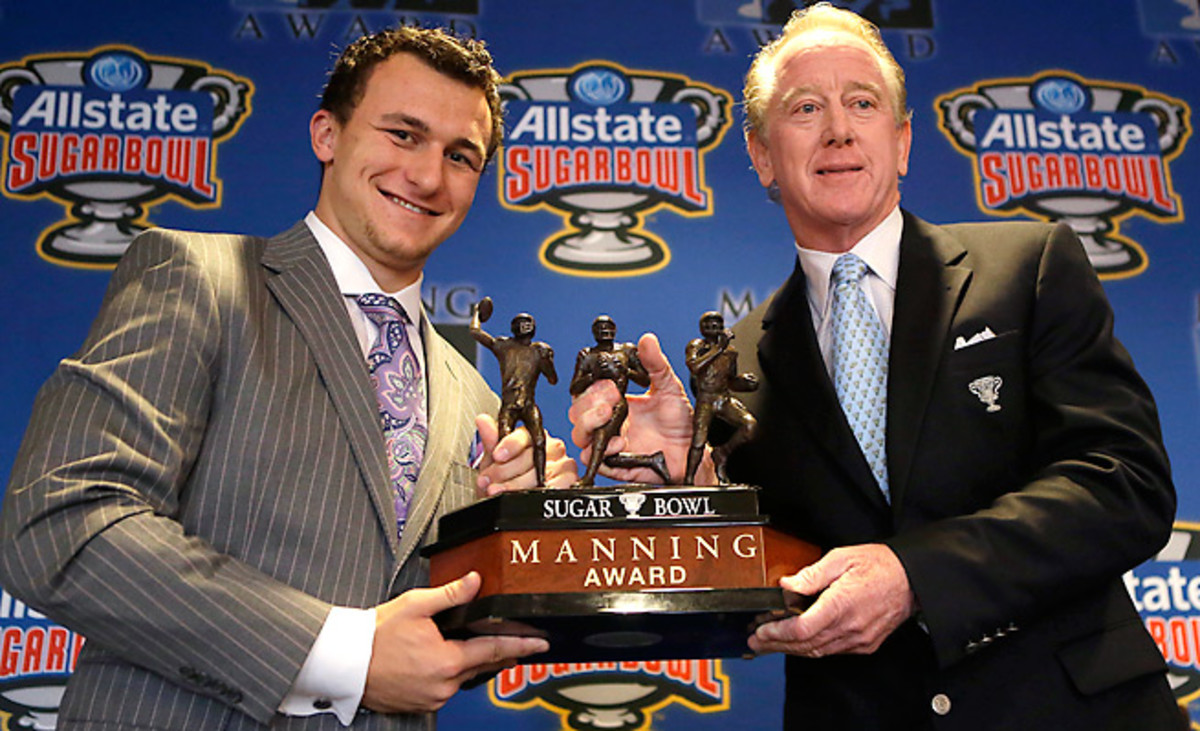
(464, 60)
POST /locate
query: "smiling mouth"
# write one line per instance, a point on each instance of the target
(409, 206)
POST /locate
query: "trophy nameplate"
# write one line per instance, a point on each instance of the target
(629, 572)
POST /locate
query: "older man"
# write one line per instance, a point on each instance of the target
(947, 411)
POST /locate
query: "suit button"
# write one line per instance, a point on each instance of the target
(322, 704)
(941, 704)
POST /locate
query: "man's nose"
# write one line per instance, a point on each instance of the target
(424, 170)
(838, 131)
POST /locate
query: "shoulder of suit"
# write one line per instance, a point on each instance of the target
(195, 246)
(971, 232)
(990, 240)
(224, 265)
(1008, 228)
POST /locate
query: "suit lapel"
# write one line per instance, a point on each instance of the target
(791, 360)
(929, 288)
(445, 403)
(307, 291)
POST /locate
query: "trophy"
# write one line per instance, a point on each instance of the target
(630, 571)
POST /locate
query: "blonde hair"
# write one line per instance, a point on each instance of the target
(760, 79)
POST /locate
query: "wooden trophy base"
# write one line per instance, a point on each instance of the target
(632, 572)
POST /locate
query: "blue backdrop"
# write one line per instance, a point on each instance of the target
(193, 114)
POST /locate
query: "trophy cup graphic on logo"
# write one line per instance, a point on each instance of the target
(108, 132)
(604, 146)
(1084, 153)
(33, 706)
(612, 696)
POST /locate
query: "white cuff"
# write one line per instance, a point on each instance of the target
(334, 675)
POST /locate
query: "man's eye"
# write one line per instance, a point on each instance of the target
(400, 134)
(460, 159)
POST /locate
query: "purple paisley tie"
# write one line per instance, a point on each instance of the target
(400, 390)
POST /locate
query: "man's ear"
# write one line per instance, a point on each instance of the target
(323, 130)
(904, 146)
(760, 158)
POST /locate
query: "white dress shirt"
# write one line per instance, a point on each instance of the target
(334, 675)
(880, 250)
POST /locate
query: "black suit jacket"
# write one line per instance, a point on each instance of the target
(1013, 524)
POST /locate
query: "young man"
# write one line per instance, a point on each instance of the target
(947, 411)
(204, 491)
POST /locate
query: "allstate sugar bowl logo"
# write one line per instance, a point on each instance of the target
(603, 146)
(36, 658)
(108, 132)
(612, 696)
(1063, 148)
(1166, 591)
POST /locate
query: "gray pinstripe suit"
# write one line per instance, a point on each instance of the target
(206, 476)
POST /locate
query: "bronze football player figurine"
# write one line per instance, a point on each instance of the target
(521, 362)
(712, 361)
(619, 363)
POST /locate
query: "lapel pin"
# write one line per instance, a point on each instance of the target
(987, 388)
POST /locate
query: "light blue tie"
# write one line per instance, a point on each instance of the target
(860, 353)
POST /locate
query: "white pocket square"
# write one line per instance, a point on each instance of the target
(985, 334)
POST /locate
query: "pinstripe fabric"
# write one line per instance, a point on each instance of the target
(206, 476)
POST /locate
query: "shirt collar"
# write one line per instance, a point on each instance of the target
(353, 277)
(880, 249)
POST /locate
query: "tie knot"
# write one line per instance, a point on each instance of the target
(848, 269)
(381, 309)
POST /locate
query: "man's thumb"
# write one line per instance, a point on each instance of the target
(489, 432)
(428, 602)
(809, 580)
